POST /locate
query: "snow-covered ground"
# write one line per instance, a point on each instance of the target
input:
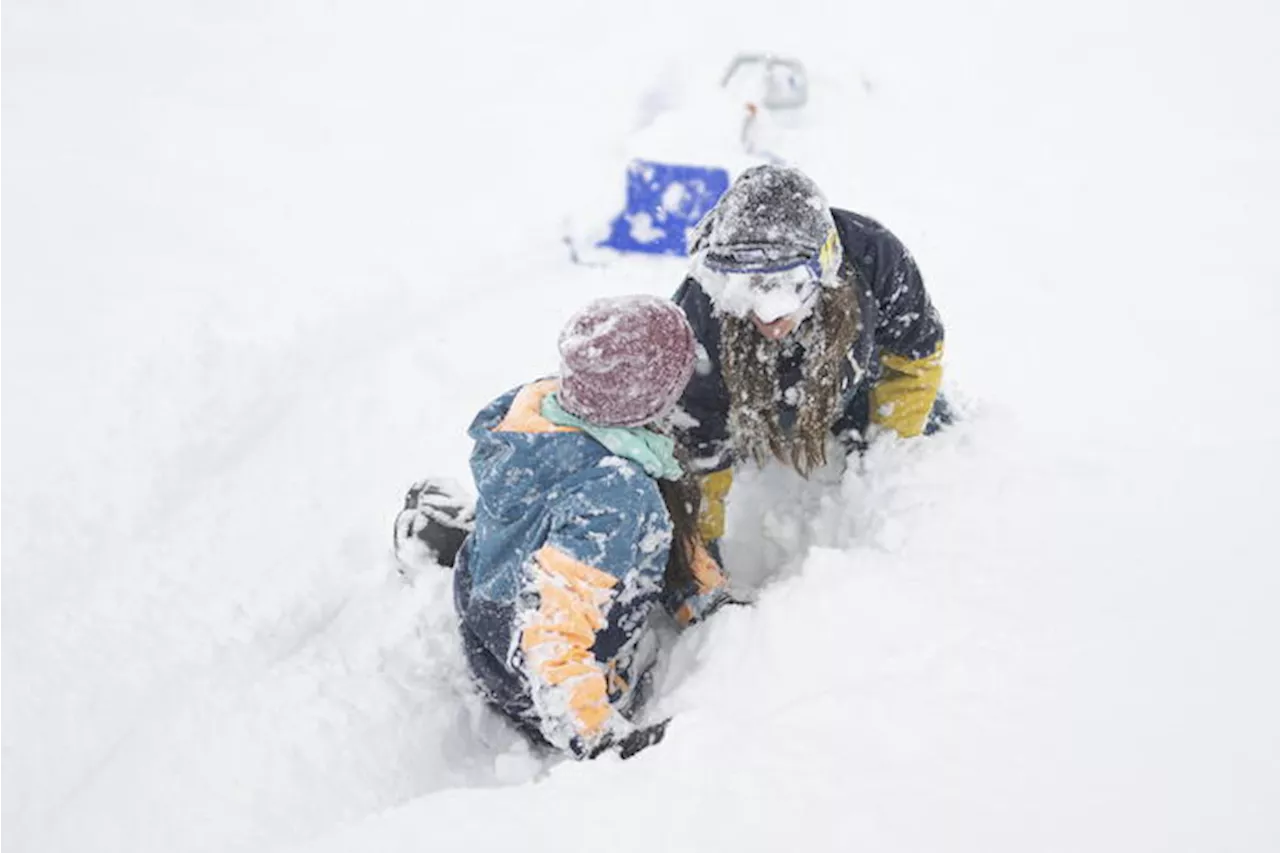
(263, 261)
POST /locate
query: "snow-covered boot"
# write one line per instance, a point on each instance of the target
(437, 517)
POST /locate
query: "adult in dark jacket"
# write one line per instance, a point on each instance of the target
(585, 522)
(812, 322)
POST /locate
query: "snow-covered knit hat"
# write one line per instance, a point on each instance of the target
(777, 210)
(625, 360)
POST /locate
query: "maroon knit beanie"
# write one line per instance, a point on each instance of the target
(625, 360)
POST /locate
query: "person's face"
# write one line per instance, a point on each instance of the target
(777, 329)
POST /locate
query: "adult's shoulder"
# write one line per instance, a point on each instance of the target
(871, 247)
(862, 228)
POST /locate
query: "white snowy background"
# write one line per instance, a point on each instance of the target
(263, 261)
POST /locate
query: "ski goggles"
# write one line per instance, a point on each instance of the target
(770, 293)
(766, 281)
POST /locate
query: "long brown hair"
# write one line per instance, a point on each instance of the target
(749, 364)
(683, 498)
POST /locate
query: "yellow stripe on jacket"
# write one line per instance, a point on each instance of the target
(715, 487)
(904, 396)
(558, 637)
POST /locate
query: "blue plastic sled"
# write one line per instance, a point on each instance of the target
(664, 201)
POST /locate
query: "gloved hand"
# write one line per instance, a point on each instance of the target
(625, 745)
(723, 598)
(852, 442)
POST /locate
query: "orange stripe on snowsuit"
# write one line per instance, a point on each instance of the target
(558, 638)
(525, 414)
(706, 571)
(707, 578)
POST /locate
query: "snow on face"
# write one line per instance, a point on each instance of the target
(743, 296)
(770, 218)
(768, 295)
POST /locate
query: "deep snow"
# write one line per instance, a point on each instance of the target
(264, 261)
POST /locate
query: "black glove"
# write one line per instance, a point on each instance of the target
(724, 599)
(852, 442)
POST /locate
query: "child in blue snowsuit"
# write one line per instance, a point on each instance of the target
(584, 523)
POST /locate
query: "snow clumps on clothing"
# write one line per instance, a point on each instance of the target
(625, 360)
